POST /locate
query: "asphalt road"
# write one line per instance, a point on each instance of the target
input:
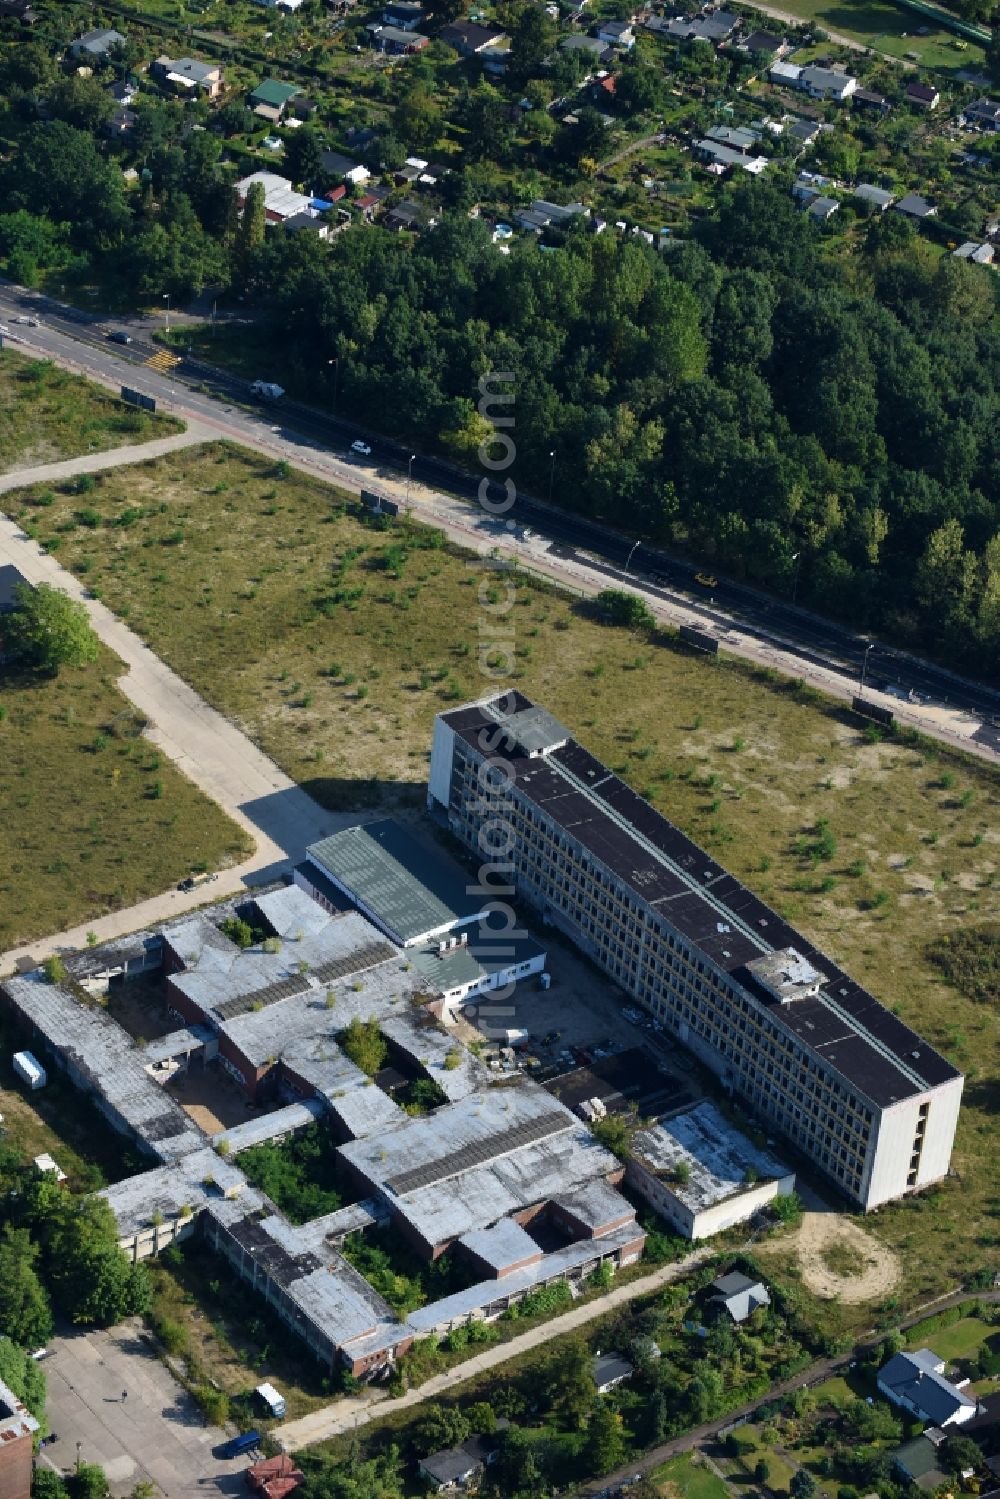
(214, 395)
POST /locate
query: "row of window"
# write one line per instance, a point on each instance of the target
(658, 966)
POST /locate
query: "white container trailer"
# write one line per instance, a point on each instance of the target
(272, 1399)
(30, 1070)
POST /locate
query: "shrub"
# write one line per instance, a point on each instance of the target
(54, 969)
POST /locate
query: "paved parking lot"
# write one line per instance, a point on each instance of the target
(156, 1434)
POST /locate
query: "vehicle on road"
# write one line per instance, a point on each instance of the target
(29, 322)
(707, 580)
(361, 447)
(194, 880)
(243, 1443)
(119, 336)
(266, 390)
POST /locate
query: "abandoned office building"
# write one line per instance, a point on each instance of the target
(505, 1178)
(869, 1102)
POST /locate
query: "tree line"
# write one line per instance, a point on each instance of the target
(818, 424)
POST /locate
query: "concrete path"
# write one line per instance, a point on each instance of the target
(156, 1435)
(92, 463)
(347, 1415)
(209, 749)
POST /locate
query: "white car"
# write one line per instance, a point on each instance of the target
(361, 447)
(29, 322)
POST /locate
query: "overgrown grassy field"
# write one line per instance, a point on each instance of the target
(47, 414)
(334, 644)
(92, 817)
(887, 28)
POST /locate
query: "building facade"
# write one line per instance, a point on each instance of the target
(870, 1103)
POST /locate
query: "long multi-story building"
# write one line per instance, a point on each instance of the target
(863, 1097)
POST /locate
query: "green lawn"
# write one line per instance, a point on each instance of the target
(961, 1340)
(92, 816)
(887, 28)
(687, 1477)
(334, 644)
(47, 414)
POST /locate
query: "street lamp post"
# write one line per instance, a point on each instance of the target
(869, 647)
(336, 378)
(166, 298)
(631, 554)
(797, 559)
(552, 472)
(409, 476)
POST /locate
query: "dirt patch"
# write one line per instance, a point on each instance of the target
(211, 1099)
(827, 1240)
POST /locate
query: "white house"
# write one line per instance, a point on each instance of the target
(916, 1382)
(281, 201)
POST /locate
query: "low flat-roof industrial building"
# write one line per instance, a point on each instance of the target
(422, 902)
(868, 1101)
(504, 1177)
(702, 1174)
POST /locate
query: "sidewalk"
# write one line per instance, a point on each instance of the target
(348, 1415)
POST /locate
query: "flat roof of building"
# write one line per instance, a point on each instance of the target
(15, 1418)
(263, 1128)
(501, 1245)
(193, 1182)
(555, 1265)
(843, 1024)
(104, 1058)
(317, 951)
(473, 1162)
(721, 1161)
(406, 886)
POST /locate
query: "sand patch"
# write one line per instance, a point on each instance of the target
(827, 1245)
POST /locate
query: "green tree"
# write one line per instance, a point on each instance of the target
(250, 235)
(45, 1484)
(533, 37)
(417, 116)
(302, 161)
(620, 608)
(82, 102)
(87, 1481)
(92, 1281)
(568, 1381)
(803, 1484)
(365, 1044)
(23, 1375)
(604, 1448)
(639, 88)
(440, 1427)
(47, 629)
(25, 1314)
(961, 1453)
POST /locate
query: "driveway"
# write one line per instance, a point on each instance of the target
(155, 1435)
